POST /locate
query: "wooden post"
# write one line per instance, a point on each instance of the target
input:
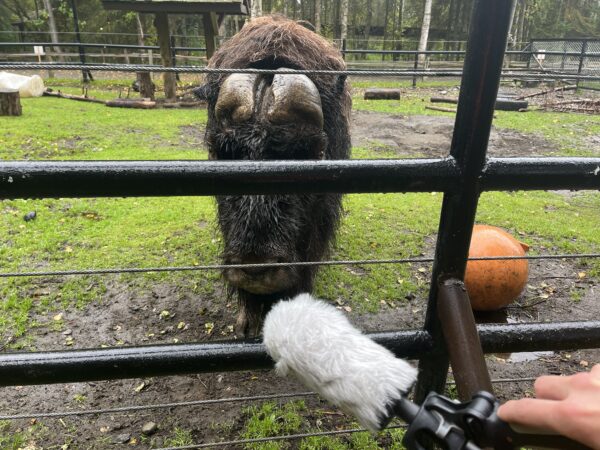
(147, 87)
(211, 31)
(10, 102)
(161, 22)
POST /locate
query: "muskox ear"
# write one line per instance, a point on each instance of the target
(201, 92)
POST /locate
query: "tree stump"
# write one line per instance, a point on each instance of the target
(10, 102)
(146, 85)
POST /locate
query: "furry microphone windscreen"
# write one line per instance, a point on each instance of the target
(316, 343)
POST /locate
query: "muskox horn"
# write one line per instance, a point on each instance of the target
(236, 98)
(295, 99)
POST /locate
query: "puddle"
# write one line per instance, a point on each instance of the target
(528, 356)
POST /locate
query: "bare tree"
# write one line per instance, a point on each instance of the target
(52, 27)
(344, 19)
(256, 8)
(425, 31)
(318, 16)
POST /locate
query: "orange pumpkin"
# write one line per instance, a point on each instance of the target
(494, 284)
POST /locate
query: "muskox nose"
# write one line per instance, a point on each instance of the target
(281, 99)
(255, 271)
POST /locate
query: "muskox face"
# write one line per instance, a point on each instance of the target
(276, 117)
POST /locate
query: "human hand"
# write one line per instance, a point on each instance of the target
(566, 405)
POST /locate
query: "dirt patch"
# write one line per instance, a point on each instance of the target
(431, 136)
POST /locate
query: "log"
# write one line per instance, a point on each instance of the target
(10, 103)
(382, 94)
(443, 100)
(126, 103)
(145, 84)
(79, 98)
(502, 104)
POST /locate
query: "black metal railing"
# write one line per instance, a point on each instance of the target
(462, 177)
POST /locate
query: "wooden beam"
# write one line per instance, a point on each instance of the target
(178, 7)
(211, 31)
(161, 22)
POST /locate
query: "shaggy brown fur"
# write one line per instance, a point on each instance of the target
(286, 227)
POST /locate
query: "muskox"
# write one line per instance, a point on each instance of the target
(275, 117)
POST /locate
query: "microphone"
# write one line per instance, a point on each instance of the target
(314, 342)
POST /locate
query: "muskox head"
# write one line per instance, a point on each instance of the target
(275, 117)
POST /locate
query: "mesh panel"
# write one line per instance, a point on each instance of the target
(586, 62)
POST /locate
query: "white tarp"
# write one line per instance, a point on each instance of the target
(27, 86)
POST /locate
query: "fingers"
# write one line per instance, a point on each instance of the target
(552, 387)
(529, 412)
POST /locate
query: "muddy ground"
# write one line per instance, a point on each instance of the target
(120, 318)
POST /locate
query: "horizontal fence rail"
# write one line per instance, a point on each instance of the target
(525, 53)
(77, 44)
(35, 179)
(539, 75)
(176, 359)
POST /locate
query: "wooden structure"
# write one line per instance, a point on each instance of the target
(10, 102)
(213, 12)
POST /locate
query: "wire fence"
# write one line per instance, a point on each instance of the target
(577, 59)
(358, 262)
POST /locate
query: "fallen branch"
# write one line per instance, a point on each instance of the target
(439, 108)
(126, 103)
(548, 91)
(502, 104)
(79, 98)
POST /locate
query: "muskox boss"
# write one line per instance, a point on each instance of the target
(275, 117)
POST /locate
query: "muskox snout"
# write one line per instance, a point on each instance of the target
(262, 278)
(280, 99)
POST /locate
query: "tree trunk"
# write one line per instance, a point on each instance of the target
(513, 25)
(521, 28)
(318, 16)
(140, 29)
(368, 24)
(52, 28)
(161, 22)
(146, 85)
(285, 8)
(344, 19)
(425, 31)
(10, 103)
(256, 10)
(385, 29)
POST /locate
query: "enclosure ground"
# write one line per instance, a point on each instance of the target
(57, 313)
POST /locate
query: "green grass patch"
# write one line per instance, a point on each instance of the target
(52, 128)
(179, 438)
(269, 420)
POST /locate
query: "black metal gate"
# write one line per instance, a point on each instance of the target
(462, 176)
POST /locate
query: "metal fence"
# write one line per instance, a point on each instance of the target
(449, 334)
(581, 56)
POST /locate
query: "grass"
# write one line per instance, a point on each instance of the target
(56, 129)
(270, 419)
(143, 232)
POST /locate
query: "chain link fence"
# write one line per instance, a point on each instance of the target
(579, 56)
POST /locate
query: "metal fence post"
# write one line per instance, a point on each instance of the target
(481, 78)
(584, 46)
